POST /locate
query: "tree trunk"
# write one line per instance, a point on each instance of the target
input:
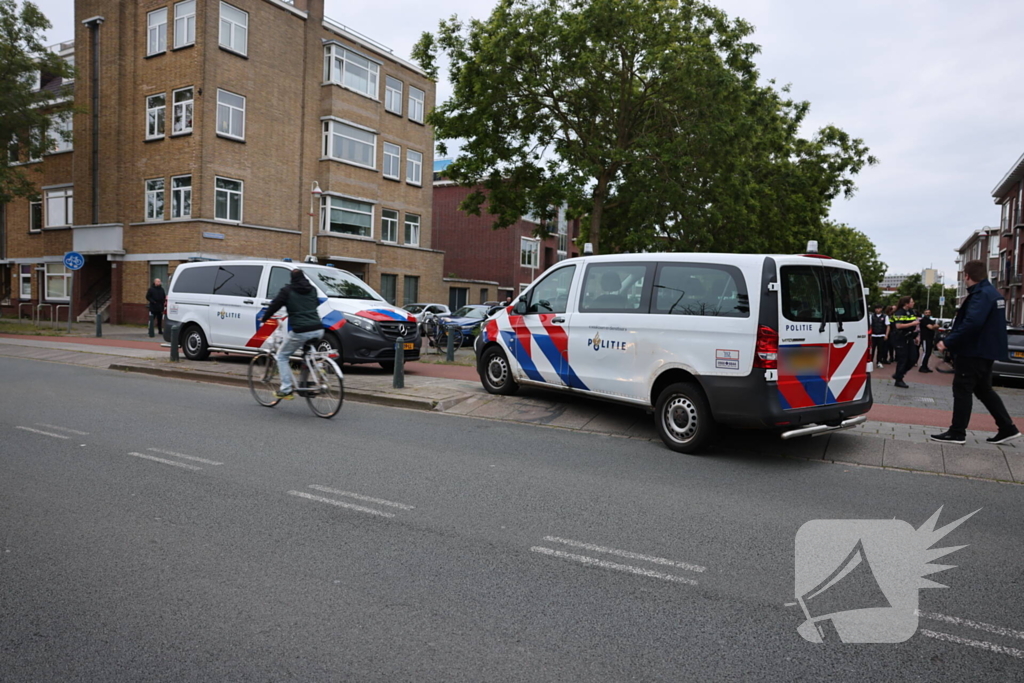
(597, 212)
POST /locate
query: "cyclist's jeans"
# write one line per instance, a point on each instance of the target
(294, 342)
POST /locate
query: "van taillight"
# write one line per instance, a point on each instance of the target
(766, 350)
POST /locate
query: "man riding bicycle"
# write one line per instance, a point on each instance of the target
(301, 300)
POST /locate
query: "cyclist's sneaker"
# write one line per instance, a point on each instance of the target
(284, 396)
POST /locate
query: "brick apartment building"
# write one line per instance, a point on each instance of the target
(210, 131)
(483, 264)
(1009, 195)
(983, 244)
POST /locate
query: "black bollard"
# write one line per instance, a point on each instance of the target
(152, 333)
(99, 324)
(399, 379)
(175, 339)
(451, 343)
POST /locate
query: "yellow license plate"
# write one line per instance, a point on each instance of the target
(802, 361)
(1018, 354)
(408, 346)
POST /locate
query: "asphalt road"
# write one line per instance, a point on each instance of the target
(166, 530)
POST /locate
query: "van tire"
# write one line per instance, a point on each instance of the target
(330, 342)
(193, 343)
(683, 418)
(496, 373)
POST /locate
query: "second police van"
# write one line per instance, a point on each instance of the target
(750, 341)
(218, 305)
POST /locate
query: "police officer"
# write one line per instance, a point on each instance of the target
(928, 327)
(905, 323)
(978, 339)
(879, 336)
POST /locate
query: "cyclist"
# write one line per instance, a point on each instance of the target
(300, 298)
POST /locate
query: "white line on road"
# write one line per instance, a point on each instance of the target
(166, 462)
(626, 554)
(594, 562)
(357, 496)
(991, 647)
(998, 630)
(186, 457)
(331, 501)
(63, 429)
(39, 431)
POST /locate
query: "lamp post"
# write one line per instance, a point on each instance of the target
(314, 197)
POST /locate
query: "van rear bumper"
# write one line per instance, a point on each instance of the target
(753, 403)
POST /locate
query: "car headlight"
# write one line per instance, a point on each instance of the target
(358, 321)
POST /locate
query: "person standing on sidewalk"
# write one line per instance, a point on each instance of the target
(978, 339)
(879, 336)
(890, 337)
(156, 296)
(905, 324)
(928, 327)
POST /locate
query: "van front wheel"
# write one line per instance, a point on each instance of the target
(193, 343)
(683, 418)
(496, 374)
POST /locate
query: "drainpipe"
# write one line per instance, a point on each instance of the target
(94, 24)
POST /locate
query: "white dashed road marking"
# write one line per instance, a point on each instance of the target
(39, 431)
(625, 553)
(998, 630)
(594, 562)
(367, 499)
(63, 429)
(166, 462)
(338, 503)
(991, 647)
(185, 457)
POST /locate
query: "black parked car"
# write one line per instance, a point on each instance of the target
(1014, 367)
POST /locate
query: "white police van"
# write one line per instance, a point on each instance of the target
(218, 305)
(751, 341)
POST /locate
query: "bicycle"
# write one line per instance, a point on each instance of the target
(320, 379)
(437, 331)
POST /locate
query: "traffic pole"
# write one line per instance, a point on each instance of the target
(71, 301)
(450, 351)
(398, 381)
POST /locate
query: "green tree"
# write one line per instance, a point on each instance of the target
(26, 113)
(840, 241)
(645, 117)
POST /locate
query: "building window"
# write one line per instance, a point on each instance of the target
(228, 200)
(392, 161)
(389, 288)
(35, 216)
(155, 199)
(234, 28)
(156, 106)
(70, 59)
(457, 297)
(350, 144)
(59, 205)
(156, 41)
(393, 95)
(185, 23)
(158, 270)
(61, 129)
(351, 70)
(389, 226)
(25, 282)
(563, 236)
(57, 277)
(413, 167)
(347, 216)
(529, 252)
(230, 115)
(410, 290)
(483, 295)
(181, 196)
(416, 98)
(181, 112)
(412, 230)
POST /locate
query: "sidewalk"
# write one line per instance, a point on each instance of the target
(896, 435)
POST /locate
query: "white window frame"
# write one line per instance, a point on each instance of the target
(234, 30)
(417, 102)
(523, 286)
(156, 32)
(326, 205)
(184, 24)
(392, 167)
(51, 272)
(413, 167)
(179, 195)
(229, 193)
(528, 246)
(156, 117)
(39, 227)
(337, 129)
(389, 226)
(63, 197)
(393, 96)
(58, 124)
(156, 206)
(186, 106)
(340, 61)
(24, 278)
(230, 109)
(412, 230)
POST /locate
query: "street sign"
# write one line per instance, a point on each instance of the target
(942, 301)
(73, 260)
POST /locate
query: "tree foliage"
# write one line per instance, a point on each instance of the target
(645, 117)
(26, 113)
(842, 242)
(925, 297)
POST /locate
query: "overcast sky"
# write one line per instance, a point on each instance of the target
(931, 87)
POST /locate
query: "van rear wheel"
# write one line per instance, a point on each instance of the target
(683, 418)
(193, 343)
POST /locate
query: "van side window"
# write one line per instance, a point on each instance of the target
(198, 280)
(802, 299)
(615, 288)
(847, 294)
(551, 295)
(237, 280)
(279, 277)
(700, 289)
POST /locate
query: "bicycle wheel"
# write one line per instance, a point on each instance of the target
(326, 400)
(263, 380)
(457, 338)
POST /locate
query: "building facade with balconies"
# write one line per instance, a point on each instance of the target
(982, 245)
(214, 130)
(1009, 196)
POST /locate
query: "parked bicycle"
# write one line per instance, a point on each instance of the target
(320, 379)
(437, 331)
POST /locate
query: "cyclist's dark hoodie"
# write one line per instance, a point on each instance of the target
(301, 300)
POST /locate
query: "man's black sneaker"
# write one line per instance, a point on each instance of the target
(1004, 436)
(948, 437)
(924, 370)
(902, 385)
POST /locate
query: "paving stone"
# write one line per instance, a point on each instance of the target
(575, 416)
(913, 456)
(611, 423)
(469, 405)
(975, 462)
(863, 450)
(1016, 462)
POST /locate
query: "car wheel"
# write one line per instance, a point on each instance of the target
(496, 373)
(193, 343)
(683, 418)
(330, 343)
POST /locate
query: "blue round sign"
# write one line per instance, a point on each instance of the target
(73, 260)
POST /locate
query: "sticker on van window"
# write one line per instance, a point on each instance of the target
(727, 359)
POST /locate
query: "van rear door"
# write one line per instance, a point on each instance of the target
(805, 335)
(848, 324)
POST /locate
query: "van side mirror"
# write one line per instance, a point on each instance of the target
(519, 308)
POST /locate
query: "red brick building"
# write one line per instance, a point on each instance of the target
(982, 245)
(1009, 195)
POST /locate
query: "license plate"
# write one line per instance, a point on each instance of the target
(1018, 354)
(408, 346)
(802, 361)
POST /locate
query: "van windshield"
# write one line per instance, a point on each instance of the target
(339, 284)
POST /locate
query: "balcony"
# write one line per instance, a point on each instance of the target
(107, 238)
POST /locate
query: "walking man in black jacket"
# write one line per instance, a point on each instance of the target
(304, 324)
(978, 339)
